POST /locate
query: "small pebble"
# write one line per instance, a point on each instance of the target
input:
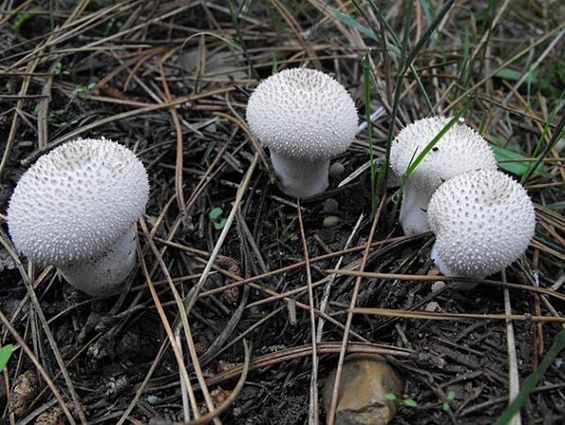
(330, 221)
(336, 170)
(330, 206)
(431, 307)
(366, 381)
(437, 286)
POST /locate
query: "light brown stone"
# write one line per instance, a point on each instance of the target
(330, 221)
(365, 381)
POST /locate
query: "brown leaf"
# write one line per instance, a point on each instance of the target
(56, 416)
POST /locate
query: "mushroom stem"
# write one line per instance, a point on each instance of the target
(103, 274)
(300, 178)
(413, 215)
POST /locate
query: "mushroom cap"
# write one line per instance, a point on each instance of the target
(76, 200)
(461, 149)
(304, 114)
(483, 221)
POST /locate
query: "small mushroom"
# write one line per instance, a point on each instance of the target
(75, 208)
(483, 221)
(305, 118)
(460, 149)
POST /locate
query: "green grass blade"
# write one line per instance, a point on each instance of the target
(353, 23)
(531, 381)
(394, 47)
(234, 15)
(407, 62)
(514, 162)
(558, 133)
(368, 112)
(363, 29)
(428, 33)
(396, 100)
(428, 9)
(420, 157)
(556, 206)
(513, 75)
(5, 354)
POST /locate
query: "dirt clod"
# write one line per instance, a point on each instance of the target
(366, 382)
(23, 392)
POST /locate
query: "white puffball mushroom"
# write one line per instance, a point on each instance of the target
(460, 150)
(483, 221)
(305, 118)
(75, 208)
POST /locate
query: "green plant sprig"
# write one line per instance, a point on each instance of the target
(5, 354)
(420, 157)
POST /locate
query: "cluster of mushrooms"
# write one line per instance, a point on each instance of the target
(483, 220)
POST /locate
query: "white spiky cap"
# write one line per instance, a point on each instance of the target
(304, 114)
(483, 221)
(460, 150)
(76, 200)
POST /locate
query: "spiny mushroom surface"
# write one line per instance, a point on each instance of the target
(305, 118)
(460, 150)
(77, 203)
(483, 221)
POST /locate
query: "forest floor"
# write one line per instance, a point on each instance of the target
(171, 80)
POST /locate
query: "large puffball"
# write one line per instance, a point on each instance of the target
(305, 118)
(75, 208)
(483, 221)
(77, 200)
